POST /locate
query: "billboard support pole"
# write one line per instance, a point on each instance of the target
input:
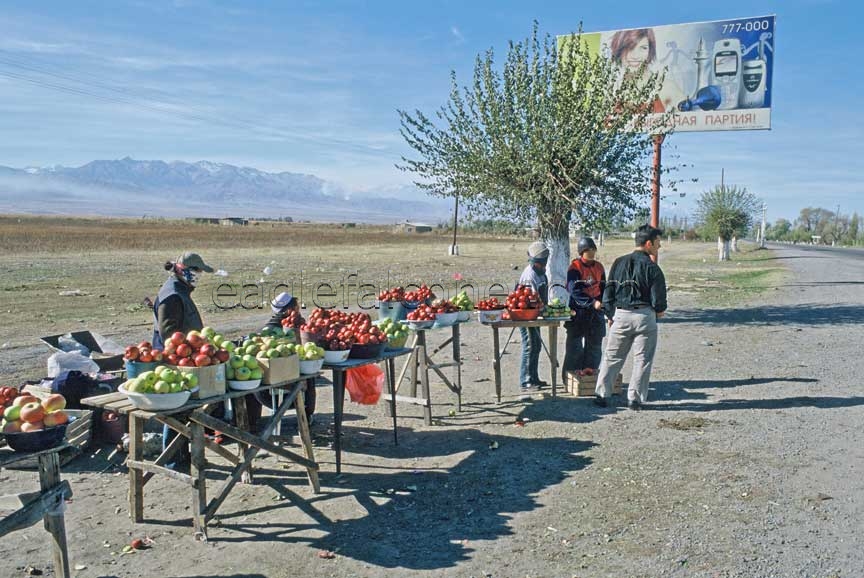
(655, 183)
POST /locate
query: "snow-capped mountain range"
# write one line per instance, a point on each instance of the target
(129, 187)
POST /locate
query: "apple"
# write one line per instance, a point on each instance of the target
(157, 354)
(229, 373)
(148, 378)
(145, 357)
(170, 375)
(242, 373)
(184, 350)
(12, 413)
(177, 338)
(55, 418)
(186, 362)
(173, 359)
(250, 362)
(23, 400)
(235, 361)
(12, 426)
(162, 387)
(32, 426)
(32, 412)
(208, 349)
(208, 332)
(160, 369)
(217, 340)
(192, 380)
(131, 353)
(54, 402)
(229, 346)
(195, 340)
(176, 387)
(273, 354)
(256, 373)
(223, 355)
(145, 345)
(169, 348)
(202, 360)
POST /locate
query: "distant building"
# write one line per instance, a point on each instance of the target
(232, 221)
(409, 227)
(204, 221)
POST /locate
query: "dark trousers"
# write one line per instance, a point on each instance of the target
(584, 346)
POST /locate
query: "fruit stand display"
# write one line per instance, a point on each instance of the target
(36, 429)
(556, 309)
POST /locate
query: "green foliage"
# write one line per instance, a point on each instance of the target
(553, 134)
(726, 212)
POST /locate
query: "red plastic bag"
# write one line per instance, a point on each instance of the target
(365, 384)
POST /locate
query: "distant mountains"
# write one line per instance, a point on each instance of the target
(129, 187)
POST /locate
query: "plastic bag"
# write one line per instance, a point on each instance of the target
(67, 344)
(365, 384)
(70, 361)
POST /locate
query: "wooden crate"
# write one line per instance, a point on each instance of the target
(279, 369)
(585, 385)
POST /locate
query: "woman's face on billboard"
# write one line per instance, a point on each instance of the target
(638, 56)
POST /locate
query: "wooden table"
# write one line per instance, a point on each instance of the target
(421, 361)
(339, 369)
(47, 504)
(196, 415)
(551, 352)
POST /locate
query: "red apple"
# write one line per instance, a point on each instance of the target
(54, 402)
(223, 355)
(32, 412)
(195, 340)
(186, 362)
(145, 345)
(34, 426)
(184, 350)
(24, 399)
(169, 348)
(157, 355)
(131, 353)
(55, 418)
(177, 338)
(201, 360)
(145, 357)
(172, 359)
(208, 349)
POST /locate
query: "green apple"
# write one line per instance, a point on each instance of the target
(217, 340)
(159, 369)
(208, 332)
(235, 361)
(256, 374)
(176, 387)
(170, 375)
(250, 362)
(162, 387)
(273, 354)
(248, 342)
(228, 346)
(242, 373)
(229, 373)
(148, 377)
(192, 381)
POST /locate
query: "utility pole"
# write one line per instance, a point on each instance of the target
(762, 230)
(836, 226)
(454, 248)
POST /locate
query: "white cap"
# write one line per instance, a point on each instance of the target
(281, 302)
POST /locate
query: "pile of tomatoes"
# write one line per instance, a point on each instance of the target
(421, 295)
(7, 396)
(292, 320)
(490, 304)
(392, 295)
(444, 306)
(422, 313)
(337, 330)
(523, 297)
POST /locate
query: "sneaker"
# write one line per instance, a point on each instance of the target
(634, 404)
(539, 384)
(526, 391)
(600, 401)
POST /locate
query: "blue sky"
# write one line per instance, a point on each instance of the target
(313, 87)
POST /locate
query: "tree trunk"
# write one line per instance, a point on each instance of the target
(734, 244)
(723, 247)
(558, 242)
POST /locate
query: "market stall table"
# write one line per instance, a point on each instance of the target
(339, 370)
(46, 505)
(421, 361)
(551, 351)
(197, 417)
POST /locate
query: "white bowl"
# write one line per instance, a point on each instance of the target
(244, 385)
(415, 325)
(157, 401)
(446, 319)
(310, 366)
(491, 316)
(336, 356)
(464, 316)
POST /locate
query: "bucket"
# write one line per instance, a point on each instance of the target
(136, 368)
(393, 310)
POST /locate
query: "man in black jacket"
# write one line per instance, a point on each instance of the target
(633, 301)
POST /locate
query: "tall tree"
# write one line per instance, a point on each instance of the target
(726, 212)
(554, 135)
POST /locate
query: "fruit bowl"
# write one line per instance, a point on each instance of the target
(157, 401)
(524, 314)
(464, 316)
(244, 385)
(336, 356)
(415, 325)
(446, 319)
(310, 366)
(35, 441)
(368, 351)
(490, 316)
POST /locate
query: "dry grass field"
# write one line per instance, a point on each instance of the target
(111, 265)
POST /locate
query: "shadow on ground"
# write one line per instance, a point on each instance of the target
(423, 519)
(780, 403)
(772, 315)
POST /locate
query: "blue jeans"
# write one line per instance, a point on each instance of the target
(584, 345)
(531, 346)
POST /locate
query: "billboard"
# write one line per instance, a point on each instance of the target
(718, 75)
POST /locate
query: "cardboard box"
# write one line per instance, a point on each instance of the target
(584, 385)
(279, 369)
(107, 354)
(211, 380)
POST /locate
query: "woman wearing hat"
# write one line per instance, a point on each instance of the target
(281, 306)
(174, 309)
(534, 276)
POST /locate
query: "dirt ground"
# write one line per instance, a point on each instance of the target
(747, 464)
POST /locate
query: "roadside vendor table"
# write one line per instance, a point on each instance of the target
(339, 370)
(46, 504)
(196, 414)
(421, 361)
(552, 351)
